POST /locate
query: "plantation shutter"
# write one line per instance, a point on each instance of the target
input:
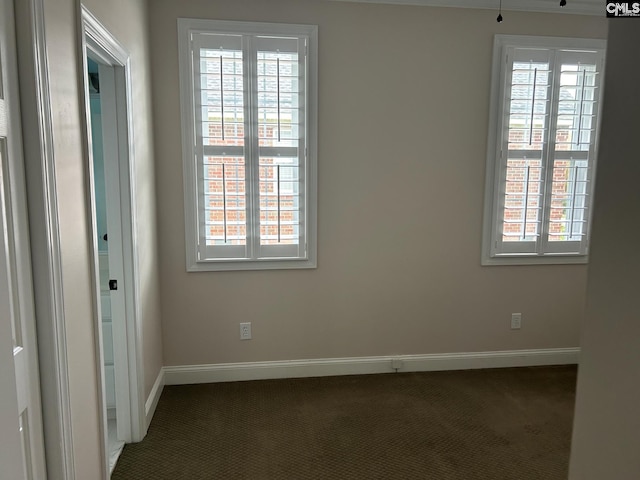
(281, 126)
(546, 151)
(572, 152)
(221, 158)
(523, 149)
(249, 96)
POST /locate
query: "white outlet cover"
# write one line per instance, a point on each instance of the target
(245, 331)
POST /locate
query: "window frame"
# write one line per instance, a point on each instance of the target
(493, 198)
(308, 157)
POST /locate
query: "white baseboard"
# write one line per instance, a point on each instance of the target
(152, 401)
(231, 372)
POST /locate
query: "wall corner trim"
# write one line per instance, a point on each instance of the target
(231, 372)
(153, 398)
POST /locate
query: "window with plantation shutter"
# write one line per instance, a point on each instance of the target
(248, 93)
(542, 149)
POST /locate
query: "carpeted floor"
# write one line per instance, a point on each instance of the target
(511, 424)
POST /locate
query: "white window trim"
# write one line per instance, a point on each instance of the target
(500, 43)
(187, 26)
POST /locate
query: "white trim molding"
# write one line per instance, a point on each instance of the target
(575, 7)
(324, 367)
(96, 38)
(153, 398)
(40, 161)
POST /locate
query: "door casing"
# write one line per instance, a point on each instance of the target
(22, 453)
(115, 76)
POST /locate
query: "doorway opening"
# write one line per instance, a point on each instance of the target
(101, 131)
(109, 132)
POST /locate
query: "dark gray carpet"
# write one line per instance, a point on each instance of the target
(511, 424)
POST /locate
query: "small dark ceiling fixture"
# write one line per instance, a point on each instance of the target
(499, 19)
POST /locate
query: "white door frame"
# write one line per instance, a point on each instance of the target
(45, 238)
(98, 43)
(45, 235)
(22, 453)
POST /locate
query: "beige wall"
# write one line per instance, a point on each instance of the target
(127, 20)
(606, 436)
(401, 161)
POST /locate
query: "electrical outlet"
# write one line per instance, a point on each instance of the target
(245, 331)
(516, 321)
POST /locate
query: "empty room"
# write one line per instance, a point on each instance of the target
(317, 239)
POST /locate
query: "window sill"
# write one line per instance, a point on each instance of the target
(535, 260)
(247, 265)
